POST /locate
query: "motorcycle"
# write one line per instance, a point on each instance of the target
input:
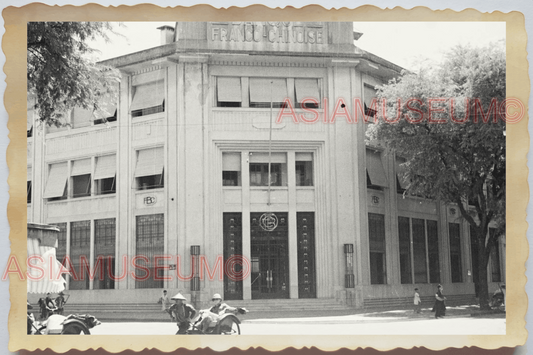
(59, 324)
(227, 324)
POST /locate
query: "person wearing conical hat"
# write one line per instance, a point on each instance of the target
(218, 308)
(182, 312)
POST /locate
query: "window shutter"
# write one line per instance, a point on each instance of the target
(304, 156)
(149, 162)
(404, 183)
(57, 180)
(81, 167)
(260, 90)
(148, 95)
(231, 161)
(306, 88)
(263, 158)
(229, 89)
(106, 167)
(375, 170)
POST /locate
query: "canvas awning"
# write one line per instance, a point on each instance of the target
(148, 95)
(229, 89)
(81, 167)
(400, 173)
(369, 93)
(262, 89)
(306, 88)
(57, 180)
(42, 242)
(150, 162)
(375, 170)
(106, 167)
(304, 156)
(263, 158)
(231, 161)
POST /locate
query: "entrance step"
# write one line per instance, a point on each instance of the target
(151, 312)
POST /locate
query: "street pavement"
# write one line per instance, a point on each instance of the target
(459, 321)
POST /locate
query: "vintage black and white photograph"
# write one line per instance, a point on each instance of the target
(269, 178)
(266, 178)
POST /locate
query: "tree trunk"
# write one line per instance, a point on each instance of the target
(482, 270)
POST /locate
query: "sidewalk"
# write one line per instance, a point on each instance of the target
(362, 315)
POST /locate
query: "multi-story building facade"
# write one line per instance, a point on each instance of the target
(180, 168)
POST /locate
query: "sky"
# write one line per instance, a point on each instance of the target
(403, 43)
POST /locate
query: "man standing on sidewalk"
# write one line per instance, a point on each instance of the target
(165, 305)
(417, 302)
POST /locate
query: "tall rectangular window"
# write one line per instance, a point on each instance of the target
(81, 178)
(231, 169)
(433, 251)
(28, 191)
(404, 234)
(419, 250)
(105, 175)
(419, 237)
(28, 185)
(80, 244)
(455, 252)
(304, 169)
(149, 242)
(376, 236)
(104, 253)
(149, 169)
(495, 259)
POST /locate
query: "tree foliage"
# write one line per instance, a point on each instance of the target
(459, 163)
(61, 74)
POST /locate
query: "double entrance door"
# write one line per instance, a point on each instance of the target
(269, 255)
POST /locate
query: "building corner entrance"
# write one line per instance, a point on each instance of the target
(269, 255)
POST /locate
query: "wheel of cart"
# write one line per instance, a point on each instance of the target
(229, 325)
(75, 327)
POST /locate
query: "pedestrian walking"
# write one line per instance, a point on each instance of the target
(165, 303)
(417, 302)
(440, 307)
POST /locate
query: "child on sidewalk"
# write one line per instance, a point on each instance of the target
(417, 302)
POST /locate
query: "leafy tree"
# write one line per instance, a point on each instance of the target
(61, 74)
(458, 163)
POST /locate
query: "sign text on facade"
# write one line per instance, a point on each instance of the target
(273, 32)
